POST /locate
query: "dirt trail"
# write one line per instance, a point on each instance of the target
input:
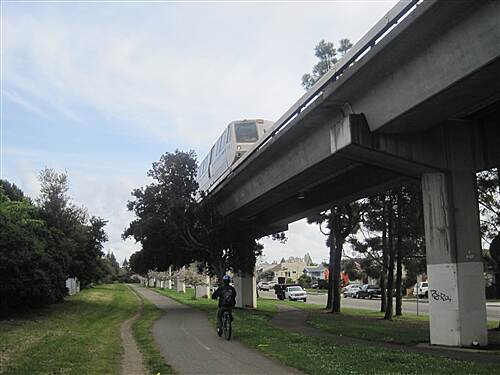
(132, 363)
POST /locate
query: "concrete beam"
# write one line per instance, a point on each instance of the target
(439, 63)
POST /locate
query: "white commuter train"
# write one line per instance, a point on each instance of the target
(238, 137)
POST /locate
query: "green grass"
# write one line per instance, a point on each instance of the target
(78, 336)
(297, 304)
(316, 291)
(408, 329)
(370, 325)
(326, 356)
(141, 328)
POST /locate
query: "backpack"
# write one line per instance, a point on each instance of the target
(226, 298)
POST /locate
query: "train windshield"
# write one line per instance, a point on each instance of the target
(246, 132)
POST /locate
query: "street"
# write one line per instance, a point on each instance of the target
(409, 306)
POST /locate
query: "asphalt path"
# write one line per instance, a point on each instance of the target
(492, 309)
(189, 343)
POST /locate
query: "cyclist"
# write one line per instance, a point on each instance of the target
(226, 295)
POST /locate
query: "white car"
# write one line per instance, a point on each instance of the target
(423, 289)
(294, 293)
(263, 286)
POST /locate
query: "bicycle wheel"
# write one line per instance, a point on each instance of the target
(226, 326)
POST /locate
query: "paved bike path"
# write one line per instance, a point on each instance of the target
(188, 342)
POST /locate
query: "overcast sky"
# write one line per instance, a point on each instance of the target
(102, 89)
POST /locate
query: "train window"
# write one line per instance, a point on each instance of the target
(246, 132)
(219, 145)
(228, 131)
(223, 140)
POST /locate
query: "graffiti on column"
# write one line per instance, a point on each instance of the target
(440, 296)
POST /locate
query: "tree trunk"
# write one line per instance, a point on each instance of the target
(390, 270)
(330, 271)
(336, 267)
(399, 267)
(385, 261)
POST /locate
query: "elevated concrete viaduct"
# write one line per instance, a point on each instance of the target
(422, 104)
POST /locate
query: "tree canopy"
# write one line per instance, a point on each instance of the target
(175, 229)
(44, 243)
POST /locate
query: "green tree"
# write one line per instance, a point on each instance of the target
(12, 191)
(394, 223)
(175, 229)
(304, 281)
(341, 221)
(161, 213)
(30, 271)
(76, 238)
(488, 184)
(327, 55)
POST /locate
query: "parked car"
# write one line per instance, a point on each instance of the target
(263, 285)
(421, 290)
(294, 293)
(314, 286)
(290, 291)
(351, 290)
(369, 291)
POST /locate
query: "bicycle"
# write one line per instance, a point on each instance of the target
(226, 324)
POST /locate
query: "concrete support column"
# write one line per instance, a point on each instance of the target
(246, 291)
(457, 304)
(203, 291)
(180, 285)
(169, 281)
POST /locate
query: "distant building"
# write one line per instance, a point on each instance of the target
(290, 270)
(316, 272)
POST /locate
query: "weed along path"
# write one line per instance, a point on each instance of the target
(190, 345)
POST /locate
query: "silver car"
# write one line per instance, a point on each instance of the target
(351, 290)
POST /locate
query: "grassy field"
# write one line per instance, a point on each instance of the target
(325, 356)
(370, 325)
(78, 336)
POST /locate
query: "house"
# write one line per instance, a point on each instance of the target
(316, 272)
(290, 270)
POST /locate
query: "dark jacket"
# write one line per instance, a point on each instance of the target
(218, 293)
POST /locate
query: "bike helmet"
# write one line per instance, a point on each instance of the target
(226, 278)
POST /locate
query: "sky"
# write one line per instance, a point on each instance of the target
(100, 90)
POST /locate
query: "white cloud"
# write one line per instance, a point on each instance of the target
(170, 72)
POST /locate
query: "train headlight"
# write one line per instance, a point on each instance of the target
(238, 147)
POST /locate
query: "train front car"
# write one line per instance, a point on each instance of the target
(238, 138)
(246, 133)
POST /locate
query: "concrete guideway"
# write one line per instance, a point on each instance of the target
(399, 114)
(189, 344)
